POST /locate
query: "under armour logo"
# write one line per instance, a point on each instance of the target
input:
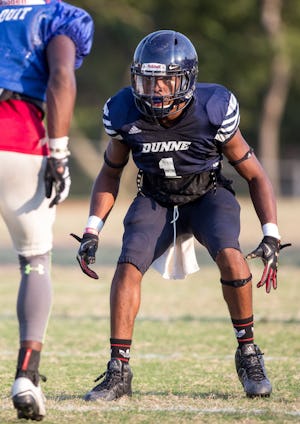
(39, 269)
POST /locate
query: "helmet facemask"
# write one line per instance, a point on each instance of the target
(160, 93)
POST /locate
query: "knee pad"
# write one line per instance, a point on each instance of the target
(236, 283)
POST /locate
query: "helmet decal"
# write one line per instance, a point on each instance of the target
(153, 68)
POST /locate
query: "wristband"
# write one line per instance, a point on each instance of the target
(94, 225)
(59, 147)
(270, 229)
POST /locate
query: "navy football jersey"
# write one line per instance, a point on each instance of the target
(190, 146)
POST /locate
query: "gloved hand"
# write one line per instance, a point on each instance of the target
(87, 252)
(57, 175)
(268, 250)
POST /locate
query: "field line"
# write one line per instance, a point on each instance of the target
(86, 408)
(177, 409)
(150, 356)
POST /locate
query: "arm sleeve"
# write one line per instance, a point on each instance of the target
(76, 24)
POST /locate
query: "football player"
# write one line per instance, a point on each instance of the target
(178, 132)
(42, 42)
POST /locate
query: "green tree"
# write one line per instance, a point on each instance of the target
(236, 47)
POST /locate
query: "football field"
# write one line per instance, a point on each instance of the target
(183, 349)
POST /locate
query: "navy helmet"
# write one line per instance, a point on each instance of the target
(164, 55)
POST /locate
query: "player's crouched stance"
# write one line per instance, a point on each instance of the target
(178, 132)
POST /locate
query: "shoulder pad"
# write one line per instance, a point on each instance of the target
(120, 109)
(75, 23)
(217, 105)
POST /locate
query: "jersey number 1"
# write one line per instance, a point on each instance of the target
(167, 165)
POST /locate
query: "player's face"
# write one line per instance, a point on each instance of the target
(158, 87)
(161, 86)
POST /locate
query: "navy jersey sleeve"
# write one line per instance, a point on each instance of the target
(76, 24)
(109, 129)
(119, 110)
(223, 112)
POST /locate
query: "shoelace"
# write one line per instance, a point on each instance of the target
(100, 376)
(252, 365)
(43, 378)
(111, 377)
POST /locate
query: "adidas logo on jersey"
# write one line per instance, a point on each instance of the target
(134, 130)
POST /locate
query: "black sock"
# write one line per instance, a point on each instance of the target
(28, 364)
(120, 349)
(243, 329)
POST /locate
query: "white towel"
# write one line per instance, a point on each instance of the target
(179, 259)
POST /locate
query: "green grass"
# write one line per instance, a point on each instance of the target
(183, 349)
(182, 355)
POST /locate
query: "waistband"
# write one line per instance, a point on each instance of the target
(8, 94)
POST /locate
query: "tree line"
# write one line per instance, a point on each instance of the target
(250, 46)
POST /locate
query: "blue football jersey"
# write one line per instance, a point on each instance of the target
(190, 146)
(26, 28)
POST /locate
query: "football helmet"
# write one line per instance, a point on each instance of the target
(163, 73)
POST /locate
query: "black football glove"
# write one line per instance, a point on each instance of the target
(268, 250)
(57, 175)
(87, 253)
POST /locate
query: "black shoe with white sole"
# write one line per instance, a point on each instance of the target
(28, 399)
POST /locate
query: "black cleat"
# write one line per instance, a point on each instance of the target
(117, 382)
(251, 371)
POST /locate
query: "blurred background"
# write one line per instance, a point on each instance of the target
(250, 46)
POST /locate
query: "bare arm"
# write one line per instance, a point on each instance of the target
(260, 187)
(61, 89)
(104, 193)
(264, 202)
(61, 94)
(106, 185)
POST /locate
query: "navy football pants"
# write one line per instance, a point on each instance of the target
(213, 219)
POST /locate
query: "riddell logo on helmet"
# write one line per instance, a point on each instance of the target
(153, 67)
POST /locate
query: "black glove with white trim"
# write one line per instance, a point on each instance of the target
(57, 177)
(268, 251)
(87, 253)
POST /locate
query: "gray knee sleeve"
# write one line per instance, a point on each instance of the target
(34, 297)
(237, 283)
